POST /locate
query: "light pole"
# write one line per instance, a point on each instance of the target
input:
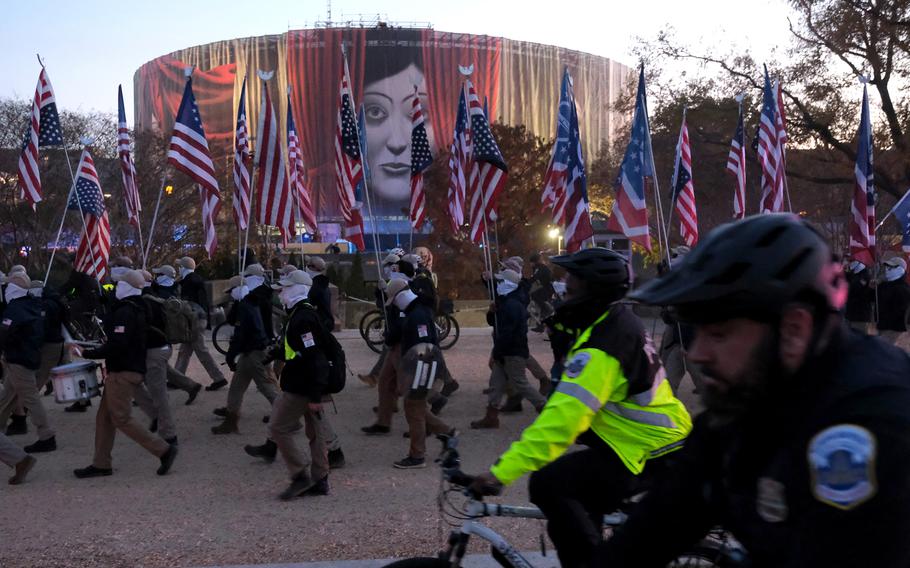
(556, 234)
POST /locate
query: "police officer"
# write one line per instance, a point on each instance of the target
(613, 398)
(192, 289)
(803, 451)
(125, 354)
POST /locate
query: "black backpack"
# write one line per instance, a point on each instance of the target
(337, 364)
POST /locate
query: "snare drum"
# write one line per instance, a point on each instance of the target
(75, 381)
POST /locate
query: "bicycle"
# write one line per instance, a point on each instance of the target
(221, 333)
(372, 328)
(717, 549)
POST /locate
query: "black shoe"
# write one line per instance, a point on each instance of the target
(376, 409)
(92, 471)
(78, 406)
(298, 486)
(216, 385)
(266, 451)
(375, 429)
(437, 405)
(513, 404)
(266, 418)
(17, 426)
(220, 411)
(153, 427)
(171, 441)
(42, 446)
(193, 394)
(486, 391)
(321, 487)
(172, 387)
(449, 388)
(167, 460)
(410, 463)
(49, 389)
(336, 459)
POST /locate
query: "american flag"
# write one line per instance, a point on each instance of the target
(127, 168)
(189, 153)
(769, 153)
(577, 215)
(683, 195)
(95, 243)
(862, 210)
(555, 180)
(782, 138)
(243, 192)
(459, 167)
(736, 165)
(276, 204)
(421, 158)
(305, 212)
(43, 130)
(902, 214)
(348, 162)
(630, 212)
(489, 172)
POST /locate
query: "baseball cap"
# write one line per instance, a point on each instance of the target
(234, 282)
(123, 261)
(254, 270)
(395, 286)
(287, 269)
(20, 279)
(165, 269)
(298, 277)
(316, 263)
(134, 278)
(186, 262)
(391, 259)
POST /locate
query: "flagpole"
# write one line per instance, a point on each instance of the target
(59, 232)
(148, 243)
(141, 244)
(891, 212)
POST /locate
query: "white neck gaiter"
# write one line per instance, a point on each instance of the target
(505, 288)
(253, 282)
(239, 293)
(165, 281)
(184, 272)
(124, 290)
(404, 299)
(14, 292)
(290, 295)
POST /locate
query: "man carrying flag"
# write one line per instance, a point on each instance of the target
(421, 158)
(43, 130)
(683, 196)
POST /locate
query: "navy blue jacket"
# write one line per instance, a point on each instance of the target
(125, 327)
(415, 325)
(321, 298)
(22, 332)
(307, 373)
(510, 326)
(249, 332)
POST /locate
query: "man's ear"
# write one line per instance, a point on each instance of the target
(795, 335)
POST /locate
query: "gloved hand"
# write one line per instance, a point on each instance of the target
(485, 484)
(232, 365)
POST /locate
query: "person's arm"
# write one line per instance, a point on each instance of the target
(239, 337)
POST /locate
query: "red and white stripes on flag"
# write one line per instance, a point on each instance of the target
(459, 167)
(862, 210)
(736, 166)
(211, 205)
(782, 139)
(348, 162)
(421, 159)
(684, 188)
(276, 204)
(95, 243)
(770, 155)
(304, 210)
(43, 130)
(242, 160)
(489, 172)
(127, 168)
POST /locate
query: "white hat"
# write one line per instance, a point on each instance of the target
(510, 275)
(293, 279)
(165, 269)
(186, 262)
(254, 270)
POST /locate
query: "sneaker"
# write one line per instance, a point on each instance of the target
(167, 459)
(298, 486)
(41, 446)
(410, 463)
(450, 387)
(92, 471)
(216, 385)
(78, 406)
(336, 459)
(17, 426)
(375, 430)
(220, 411)
(321, 487)
(438, 404)
(193, 394)
(266, 451)
(26, 465)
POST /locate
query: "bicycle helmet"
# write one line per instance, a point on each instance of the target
(607, 271)
(751, 268)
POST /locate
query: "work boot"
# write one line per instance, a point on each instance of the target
(321, 487)
(336, 460)
(450, 387)
(229, 426)
(17, 426)
(410, 463)
(298, 486)
(490, 420)
(216, 385)
(78, 406)
(193, 394)
(220, 411)
(513, 404)
(375, 430)
(266, 451)
(22, 469)
(42, 446)
(92, 471)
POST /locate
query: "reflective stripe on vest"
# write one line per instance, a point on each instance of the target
(640, 416)
(579, 393)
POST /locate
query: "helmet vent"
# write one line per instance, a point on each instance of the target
(784, 273)
(733, 273)
(771, 237)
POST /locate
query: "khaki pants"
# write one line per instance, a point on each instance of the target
(198, 347)
(286, 414)
(332, 441)
(511, 372)
(114, 414)
(387, 386)
(21, 383)
(10, 453)
(179, 380)
(251, 369)
(421, 422)
(52, 354)
(153, 398)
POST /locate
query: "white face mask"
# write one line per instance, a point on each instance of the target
(238, 293)
(893, 273)
(124, 290)
(504, 288)
(404, 299)
(165, 281)
(290, 295)
(184, 272)
(399, 276)
(14, 292)
(386, 272)
(36, 292)
(118, 272)
(253, 282)
(313, 273)
(559, 287)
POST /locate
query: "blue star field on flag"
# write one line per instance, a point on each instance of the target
(89, 195)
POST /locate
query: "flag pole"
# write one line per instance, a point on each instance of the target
(91, 249)
(891, 212)
(148, 243)
(141, 244)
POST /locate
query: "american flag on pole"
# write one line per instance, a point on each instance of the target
(243, 193)
(489, 172)
(769, 153)
(189, 153)
(276, 204)
(127, 168)
(630, 211)
(576, 212)
(304, 211)
(736, 166)
(459, 167)
(683, 195)
(902, 214)
(555, 180)
(421, 158)
(95, 243)
(782, 139)
(348, 163)
(862, 210)
(43, 130)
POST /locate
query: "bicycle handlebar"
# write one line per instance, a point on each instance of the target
(450, 462)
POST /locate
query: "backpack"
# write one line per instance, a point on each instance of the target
(179, 320)
(337, 364)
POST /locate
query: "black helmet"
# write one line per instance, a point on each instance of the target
(751, 268)
(606, 270)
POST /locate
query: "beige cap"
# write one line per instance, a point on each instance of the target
(509, 275)
(165, 269)
(122, 261)
(16, 268)
(315, 263)
(395, 286)
(254, 270)
(514, 263)
(20, 279)
(293, 279)
(287, 269)
(234, 282)
(147, 275)
(412, 258)
(391, 259)
(134, 278)
(186, 262)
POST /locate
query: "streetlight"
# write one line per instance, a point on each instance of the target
(556, 234)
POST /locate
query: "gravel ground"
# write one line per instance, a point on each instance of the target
(219, 507)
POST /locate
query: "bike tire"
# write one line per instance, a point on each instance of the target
(364, 322)
(452, 336)
(443, 327)
(221, 337)
(419, 562)
(374, 332)
(701, 556)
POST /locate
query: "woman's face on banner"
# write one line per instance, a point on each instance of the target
(387, 109)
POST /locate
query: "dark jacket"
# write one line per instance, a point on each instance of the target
(422, 285)
(249, 334)
(156, 323)
(415, 325)
(165, 292)
(307, 372)
(510, 326)
(819, 476)
(192, 289)
(321, 298)
(893, 302)
(544, 278)
(261, 297)
(860, 297)
(22, 332)
(55, 315)
(125, 328)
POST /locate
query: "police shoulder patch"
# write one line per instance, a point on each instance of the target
(577, 364)
(842, 465)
